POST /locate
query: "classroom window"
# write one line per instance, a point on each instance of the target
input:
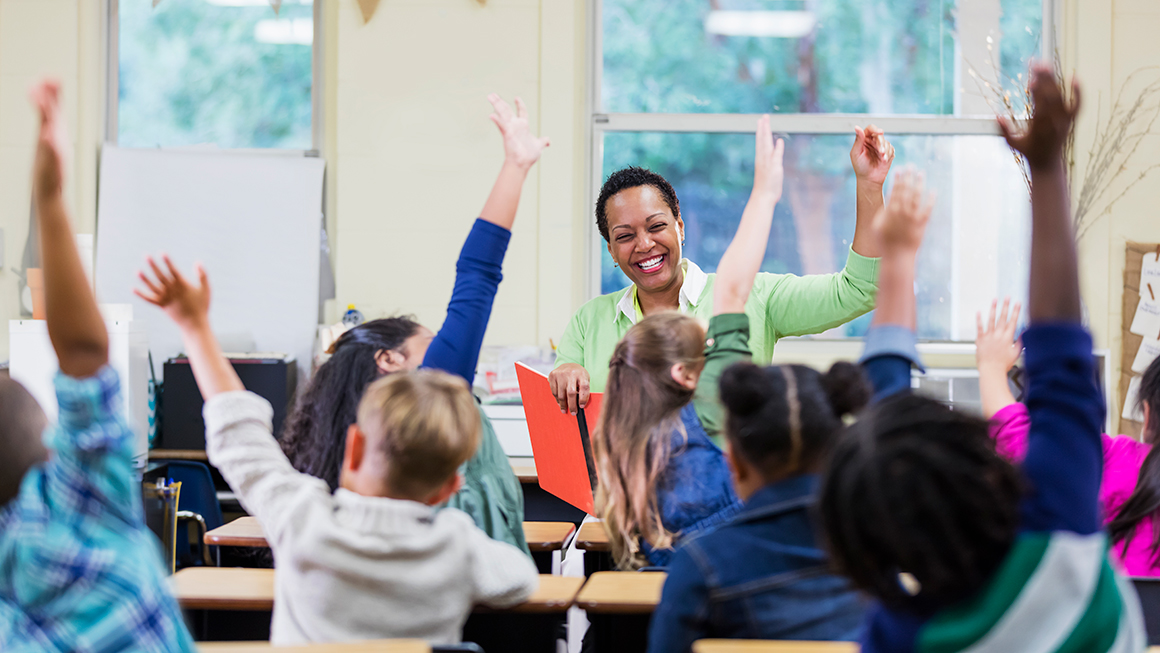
(231, 73)
(678, 83)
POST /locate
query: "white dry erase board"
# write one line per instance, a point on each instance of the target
(253, 220)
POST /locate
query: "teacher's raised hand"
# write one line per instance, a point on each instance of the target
(569, 383)
(871, 155)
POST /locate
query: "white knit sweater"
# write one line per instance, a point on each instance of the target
(351, 567)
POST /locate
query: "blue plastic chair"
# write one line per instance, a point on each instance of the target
(198, 505)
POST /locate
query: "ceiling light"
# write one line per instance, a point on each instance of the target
(775, 24)
(299, 31)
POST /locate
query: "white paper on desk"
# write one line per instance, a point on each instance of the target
(1149, 350)
(1131, 410)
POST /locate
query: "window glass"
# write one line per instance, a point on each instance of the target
(976, 246)
(800, 56)
(227, 72)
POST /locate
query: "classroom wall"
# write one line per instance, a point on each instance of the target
(1104, 42)
(61, 38)
(416, 156)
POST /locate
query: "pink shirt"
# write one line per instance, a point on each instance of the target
(1123, 457)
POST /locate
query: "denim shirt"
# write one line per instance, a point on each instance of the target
(695, 492)
(760, 576)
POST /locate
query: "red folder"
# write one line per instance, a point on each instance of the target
(560, 442)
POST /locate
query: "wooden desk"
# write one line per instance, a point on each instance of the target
(767, 646)
(555, 595)
(243, 531)
(178, 454)
(547, 535)
(235, 588)
(593, 537)
(526, 473)
(246, 531)
(224, 588)
(380, 646)
(621, 592)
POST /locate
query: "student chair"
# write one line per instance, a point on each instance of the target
(197, 505)
(1148, 590)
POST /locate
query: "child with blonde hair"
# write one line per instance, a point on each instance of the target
(374, 559)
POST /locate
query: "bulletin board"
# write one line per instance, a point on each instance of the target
(1131, 342)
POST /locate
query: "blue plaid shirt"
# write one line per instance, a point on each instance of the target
(79, 571)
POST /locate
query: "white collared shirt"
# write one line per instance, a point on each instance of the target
(691, 289)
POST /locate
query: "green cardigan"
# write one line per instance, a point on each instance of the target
(491, 494)
(779, 305)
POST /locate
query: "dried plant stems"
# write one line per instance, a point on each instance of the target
(1116, 141)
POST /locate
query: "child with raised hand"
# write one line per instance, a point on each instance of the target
(373, 559)
(79, 571)
(962, 549)
(315, 430)
(1130, 483)
(762, 574)
(661, 476)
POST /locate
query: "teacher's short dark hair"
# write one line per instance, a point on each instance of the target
(633, 177)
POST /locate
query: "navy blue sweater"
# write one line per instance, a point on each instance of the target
(1064, 460)
(478, 272)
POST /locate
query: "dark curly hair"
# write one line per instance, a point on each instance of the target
(633, 177)
(782, 419)
(914, 487)
(314, 434)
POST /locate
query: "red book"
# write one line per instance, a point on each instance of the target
(560, 442)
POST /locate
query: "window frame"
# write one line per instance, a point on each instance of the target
(317, 87)
(600, 122)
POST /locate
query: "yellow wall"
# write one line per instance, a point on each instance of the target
(411, 154)
(1104, 42)
(61, 38)
(416, 155)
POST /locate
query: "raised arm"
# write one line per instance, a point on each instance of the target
(996, 351)
(239, 425)
(871, 157)
(899, 227)
(1054, 293)
(1064, 460)
(188, 306)
(742, 260)
(521, 150)
(479, 270)
(75, 325)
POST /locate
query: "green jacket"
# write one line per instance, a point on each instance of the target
(491, 493)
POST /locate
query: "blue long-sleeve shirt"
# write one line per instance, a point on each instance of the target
(478, 272)
(1055, 589)
(491, 493)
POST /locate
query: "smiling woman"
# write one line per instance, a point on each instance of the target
(639, 217)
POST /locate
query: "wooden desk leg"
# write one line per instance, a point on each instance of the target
(595, 561)
(617, 633)
(228, 625)
(536, 633)
(543, 560)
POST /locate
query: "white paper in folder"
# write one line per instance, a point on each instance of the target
(252, 220)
